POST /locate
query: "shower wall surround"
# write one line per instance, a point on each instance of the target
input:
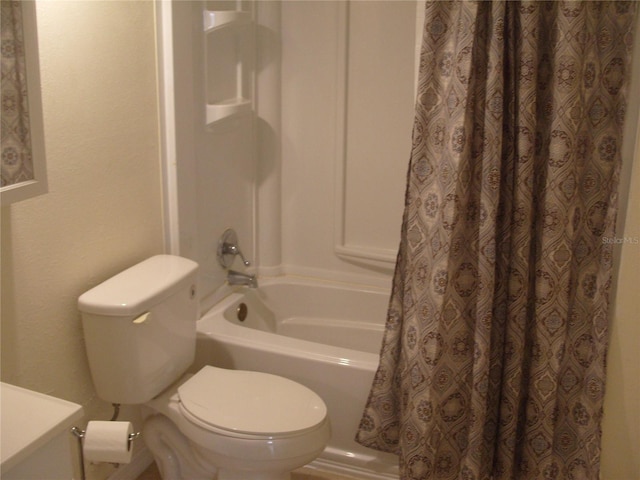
(214, 155)
(313, 184)
(348, 93)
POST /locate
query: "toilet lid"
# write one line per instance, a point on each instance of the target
(251, 402)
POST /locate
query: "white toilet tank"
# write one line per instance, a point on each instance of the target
(140, 328)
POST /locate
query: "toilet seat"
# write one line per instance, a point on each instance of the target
(247, 403)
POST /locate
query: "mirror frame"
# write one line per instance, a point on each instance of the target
(38, 184)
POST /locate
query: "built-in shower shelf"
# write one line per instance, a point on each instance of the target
(227, 108)
(216, 19)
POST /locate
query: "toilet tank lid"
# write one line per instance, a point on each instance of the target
(138, 288)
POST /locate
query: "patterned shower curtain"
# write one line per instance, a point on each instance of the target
(493, 361)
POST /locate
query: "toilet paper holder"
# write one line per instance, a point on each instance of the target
(80, 434)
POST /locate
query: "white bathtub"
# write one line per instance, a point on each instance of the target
(323, 335)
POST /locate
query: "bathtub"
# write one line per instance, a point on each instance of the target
(323, 335)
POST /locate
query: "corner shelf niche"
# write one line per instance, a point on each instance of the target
(214, 20)
(226, 108)
(234, 71)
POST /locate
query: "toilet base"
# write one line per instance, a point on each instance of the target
(178, 458)
(170, 450)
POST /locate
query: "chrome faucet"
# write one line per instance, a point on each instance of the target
(228, 249)
(239, 278)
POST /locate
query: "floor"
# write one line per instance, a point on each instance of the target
(152, 473)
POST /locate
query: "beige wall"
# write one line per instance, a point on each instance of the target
(103, 209)
(621, 425)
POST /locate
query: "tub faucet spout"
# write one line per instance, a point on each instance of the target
(239, 278)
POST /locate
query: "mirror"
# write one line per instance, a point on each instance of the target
(23, 159)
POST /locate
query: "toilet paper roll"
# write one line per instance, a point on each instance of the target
(108, 442)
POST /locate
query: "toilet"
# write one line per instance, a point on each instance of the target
(140, 334)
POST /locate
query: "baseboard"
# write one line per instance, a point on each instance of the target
(141, 460)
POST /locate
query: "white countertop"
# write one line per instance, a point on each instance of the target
(28, 420)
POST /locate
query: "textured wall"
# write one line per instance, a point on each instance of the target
(103, 209)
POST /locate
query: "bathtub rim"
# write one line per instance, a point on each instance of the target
(213, 324)
(364, 284)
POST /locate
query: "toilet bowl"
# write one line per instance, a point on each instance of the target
(140, 336)
(246, 424)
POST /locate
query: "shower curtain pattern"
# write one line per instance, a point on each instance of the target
(493, 361)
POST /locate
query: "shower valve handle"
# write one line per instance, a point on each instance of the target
(228, 249)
